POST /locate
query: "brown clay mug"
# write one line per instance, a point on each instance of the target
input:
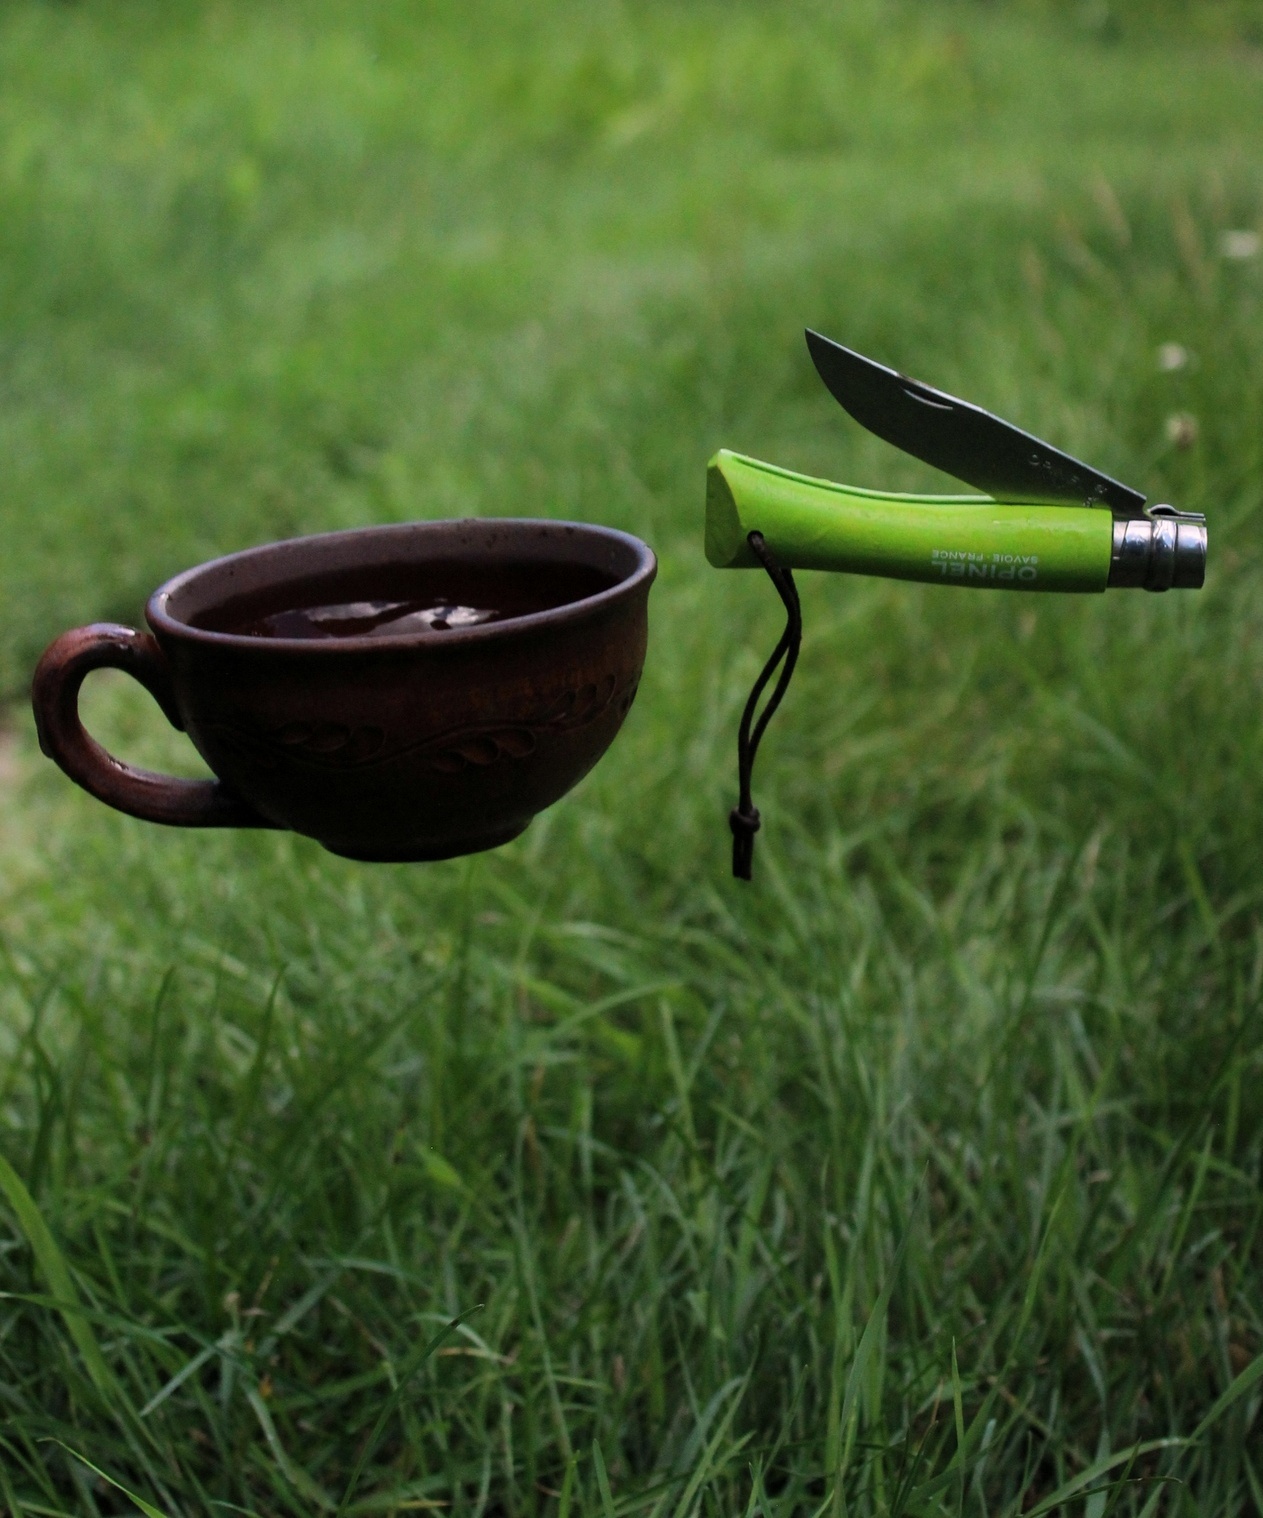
(503, 664)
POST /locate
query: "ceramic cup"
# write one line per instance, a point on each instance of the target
(423, 742)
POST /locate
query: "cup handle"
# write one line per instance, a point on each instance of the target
(62, 736)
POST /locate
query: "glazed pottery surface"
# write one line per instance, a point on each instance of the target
(408, 746)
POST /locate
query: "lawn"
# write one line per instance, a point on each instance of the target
(924, 1174)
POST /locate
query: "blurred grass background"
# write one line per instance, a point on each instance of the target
(923, 1176)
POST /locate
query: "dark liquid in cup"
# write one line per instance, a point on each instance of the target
(394, 601)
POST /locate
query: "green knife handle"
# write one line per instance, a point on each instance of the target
(944, 540)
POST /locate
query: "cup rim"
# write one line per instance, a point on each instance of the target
(163, 621)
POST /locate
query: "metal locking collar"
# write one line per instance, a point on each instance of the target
(1163, 550)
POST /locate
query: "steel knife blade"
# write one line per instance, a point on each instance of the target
(961, 439)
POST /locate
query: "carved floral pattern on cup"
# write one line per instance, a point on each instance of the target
(339, 746)
(323, 742)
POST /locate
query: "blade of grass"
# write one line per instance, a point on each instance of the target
(602, 1480)
(406, 1373)
(294, 1474)
(53, 1265)
(1237, 1389)
(147, 1508)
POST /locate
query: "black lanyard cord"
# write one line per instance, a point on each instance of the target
(744, 817)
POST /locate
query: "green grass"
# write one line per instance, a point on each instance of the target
(922, 1176)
